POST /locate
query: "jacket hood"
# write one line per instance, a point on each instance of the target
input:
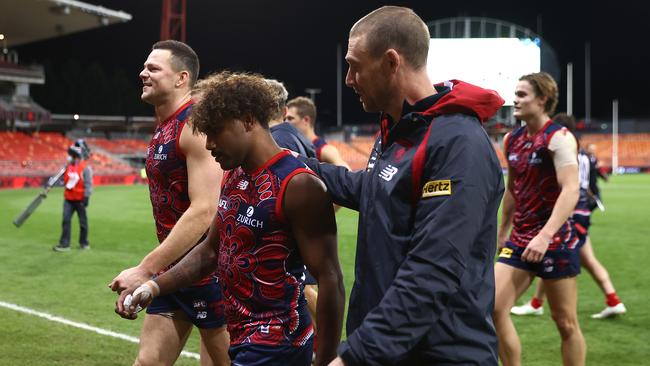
(467, 99)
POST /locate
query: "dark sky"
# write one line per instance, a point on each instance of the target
(295, 42)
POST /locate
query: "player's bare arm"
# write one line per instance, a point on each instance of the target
(204, 180)
(309, 211)
(197, 264)
(330, 154)
(507, 211)
(567, 178)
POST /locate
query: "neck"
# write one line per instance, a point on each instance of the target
(415, 86)
(536, 123)
(275, 122)
(167, 108)
(262, 150)
(310, 134)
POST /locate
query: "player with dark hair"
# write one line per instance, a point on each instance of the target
(274, 215)
(184, 185)
(301, 112)
(542, 192)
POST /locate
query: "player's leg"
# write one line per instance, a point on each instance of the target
(162, 338)
(536, 304)
(203, 304)
(214, 346)
(599, 273)
(562, 297)
(510, 283)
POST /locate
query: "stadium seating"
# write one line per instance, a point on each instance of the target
(43, 154)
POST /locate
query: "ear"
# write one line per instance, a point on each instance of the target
(249, 123)
(392, 60)
(183, 78)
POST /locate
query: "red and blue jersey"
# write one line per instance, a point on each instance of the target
(167, 175)
(167, 172)
(260, 267)
(319, 144)
(535, 187)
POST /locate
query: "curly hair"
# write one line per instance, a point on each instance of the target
(228, 96)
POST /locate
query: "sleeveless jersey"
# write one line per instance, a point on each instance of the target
(319, 144)
(259, 264)
(167, 175)
(535, 186)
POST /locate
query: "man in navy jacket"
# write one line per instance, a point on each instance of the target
(428, 200)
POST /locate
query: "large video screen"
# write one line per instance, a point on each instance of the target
(493, 63)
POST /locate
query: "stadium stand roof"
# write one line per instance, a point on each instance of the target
(28, 21)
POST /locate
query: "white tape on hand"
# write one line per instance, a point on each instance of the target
(127, 303)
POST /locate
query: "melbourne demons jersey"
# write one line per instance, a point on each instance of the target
(167, 172)
(535, 187)
(319, 144)
(260, 268)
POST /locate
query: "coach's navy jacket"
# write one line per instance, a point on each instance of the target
(424, 275)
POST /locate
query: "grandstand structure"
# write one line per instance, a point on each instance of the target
(29, 149)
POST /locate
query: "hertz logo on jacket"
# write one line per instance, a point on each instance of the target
(434, 188)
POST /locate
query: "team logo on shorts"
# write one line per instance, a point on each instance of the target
(434, 188)
(505, 253)
(548, 265)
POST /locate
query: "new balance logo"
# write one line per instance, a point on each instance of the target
(243, 184)
(387, 173)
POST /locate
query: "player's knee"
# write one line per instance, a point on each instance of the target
(148, 359)
(567, 324)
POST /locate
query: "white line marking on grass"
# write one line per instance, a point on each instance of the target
(83, 326)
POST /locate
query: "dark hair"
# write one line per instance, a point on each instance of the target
(230, 96)
(565, 120)
(544, 86)
(183, 57)
(398, 28)
(305, 107)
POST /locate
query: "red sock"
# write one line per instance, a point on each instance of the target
(536, 303)
(612, 299)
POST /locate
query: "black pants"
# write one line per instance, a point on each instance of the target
(69, 207)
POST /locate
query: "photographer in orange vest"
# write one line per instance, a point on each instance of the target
(77, 180)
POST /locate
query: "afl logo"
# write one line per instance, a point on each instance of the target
(160, 148)
(249, 211)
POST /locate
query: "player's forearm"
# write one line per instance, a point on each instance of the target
(329, 310)
(196, 265)
(507, 211)
(185, 234)
(563, 209)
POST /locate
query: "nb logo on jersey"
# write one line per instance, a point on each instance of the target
(435, 188)
(201, 314)
(243, 184)
(249, 211)
(513, 157)
(264, 329)
(534, 159)
(388, 172)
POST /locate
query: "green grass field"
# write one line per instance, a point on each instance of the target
(72, 285)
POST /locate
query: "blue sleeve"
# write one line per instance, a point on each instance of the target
(445, 232)
(344, 186)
